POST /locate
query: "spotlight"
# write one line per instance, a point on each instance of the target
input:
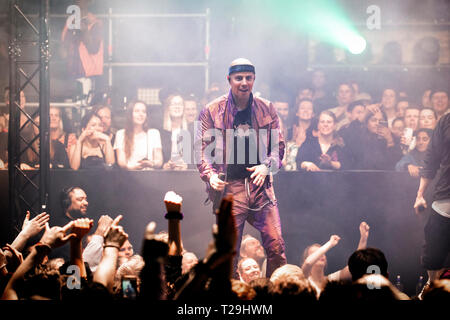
(356, 44)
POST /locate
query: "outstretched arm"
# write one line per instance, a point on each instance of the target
(344, 274)
(34, 258)
(114, 240)
(52, 238)
(315, 256)
(81, 228)
(30, 228)
(364, 235)
(92, 254)
(217, 266)
(174, 216)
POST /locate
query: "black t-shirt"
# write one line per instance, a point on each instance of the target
(243, 136)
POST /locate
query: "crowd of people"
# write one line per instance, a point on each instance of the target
(355, 132)
(74, 262)
(99, 145)
(360, 133)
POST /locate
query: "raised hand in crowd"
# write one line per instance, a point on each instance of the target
(103, 225)
(334, 240)
(226, 236)
(173, 201)
(217, 265)
(3, 271)
(373, 108)
(174, 216)
(30, 228)
(115, 237)
(317, 254)
(53, 237)
(80, 228)
(92, 254)
(364, 235)
(3, 266)
(13, 257)
(34, 226)
(154, 252)
(386, 134)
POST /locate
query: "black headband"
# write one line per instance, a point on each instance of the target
(241, 68)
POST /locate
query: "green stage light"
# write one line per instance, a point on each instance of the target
(356, 45)
(323, 20)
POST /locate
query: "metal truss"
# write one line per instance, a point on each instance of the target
(28, 189)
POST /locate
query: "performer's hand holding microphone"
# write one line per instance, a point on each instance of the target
(420, 205)
(217, 181)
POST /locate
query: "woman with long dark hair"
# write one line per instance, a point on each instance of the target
(138, 147)
(414, 160)
(93, 149)
(299, 133)
(376, 144)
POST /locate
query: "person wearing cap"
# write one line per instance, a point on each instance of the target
(238, 146)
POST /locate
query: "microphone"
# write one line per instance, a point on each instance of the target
(421, 208)
(222, 176)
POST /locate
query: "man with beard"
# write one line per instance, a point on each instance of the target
(74, 203)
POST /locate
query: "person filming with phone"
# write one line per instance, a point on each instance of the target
(374, 145)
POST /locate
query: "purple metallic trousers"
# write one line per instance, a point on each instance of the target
(252, 204)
